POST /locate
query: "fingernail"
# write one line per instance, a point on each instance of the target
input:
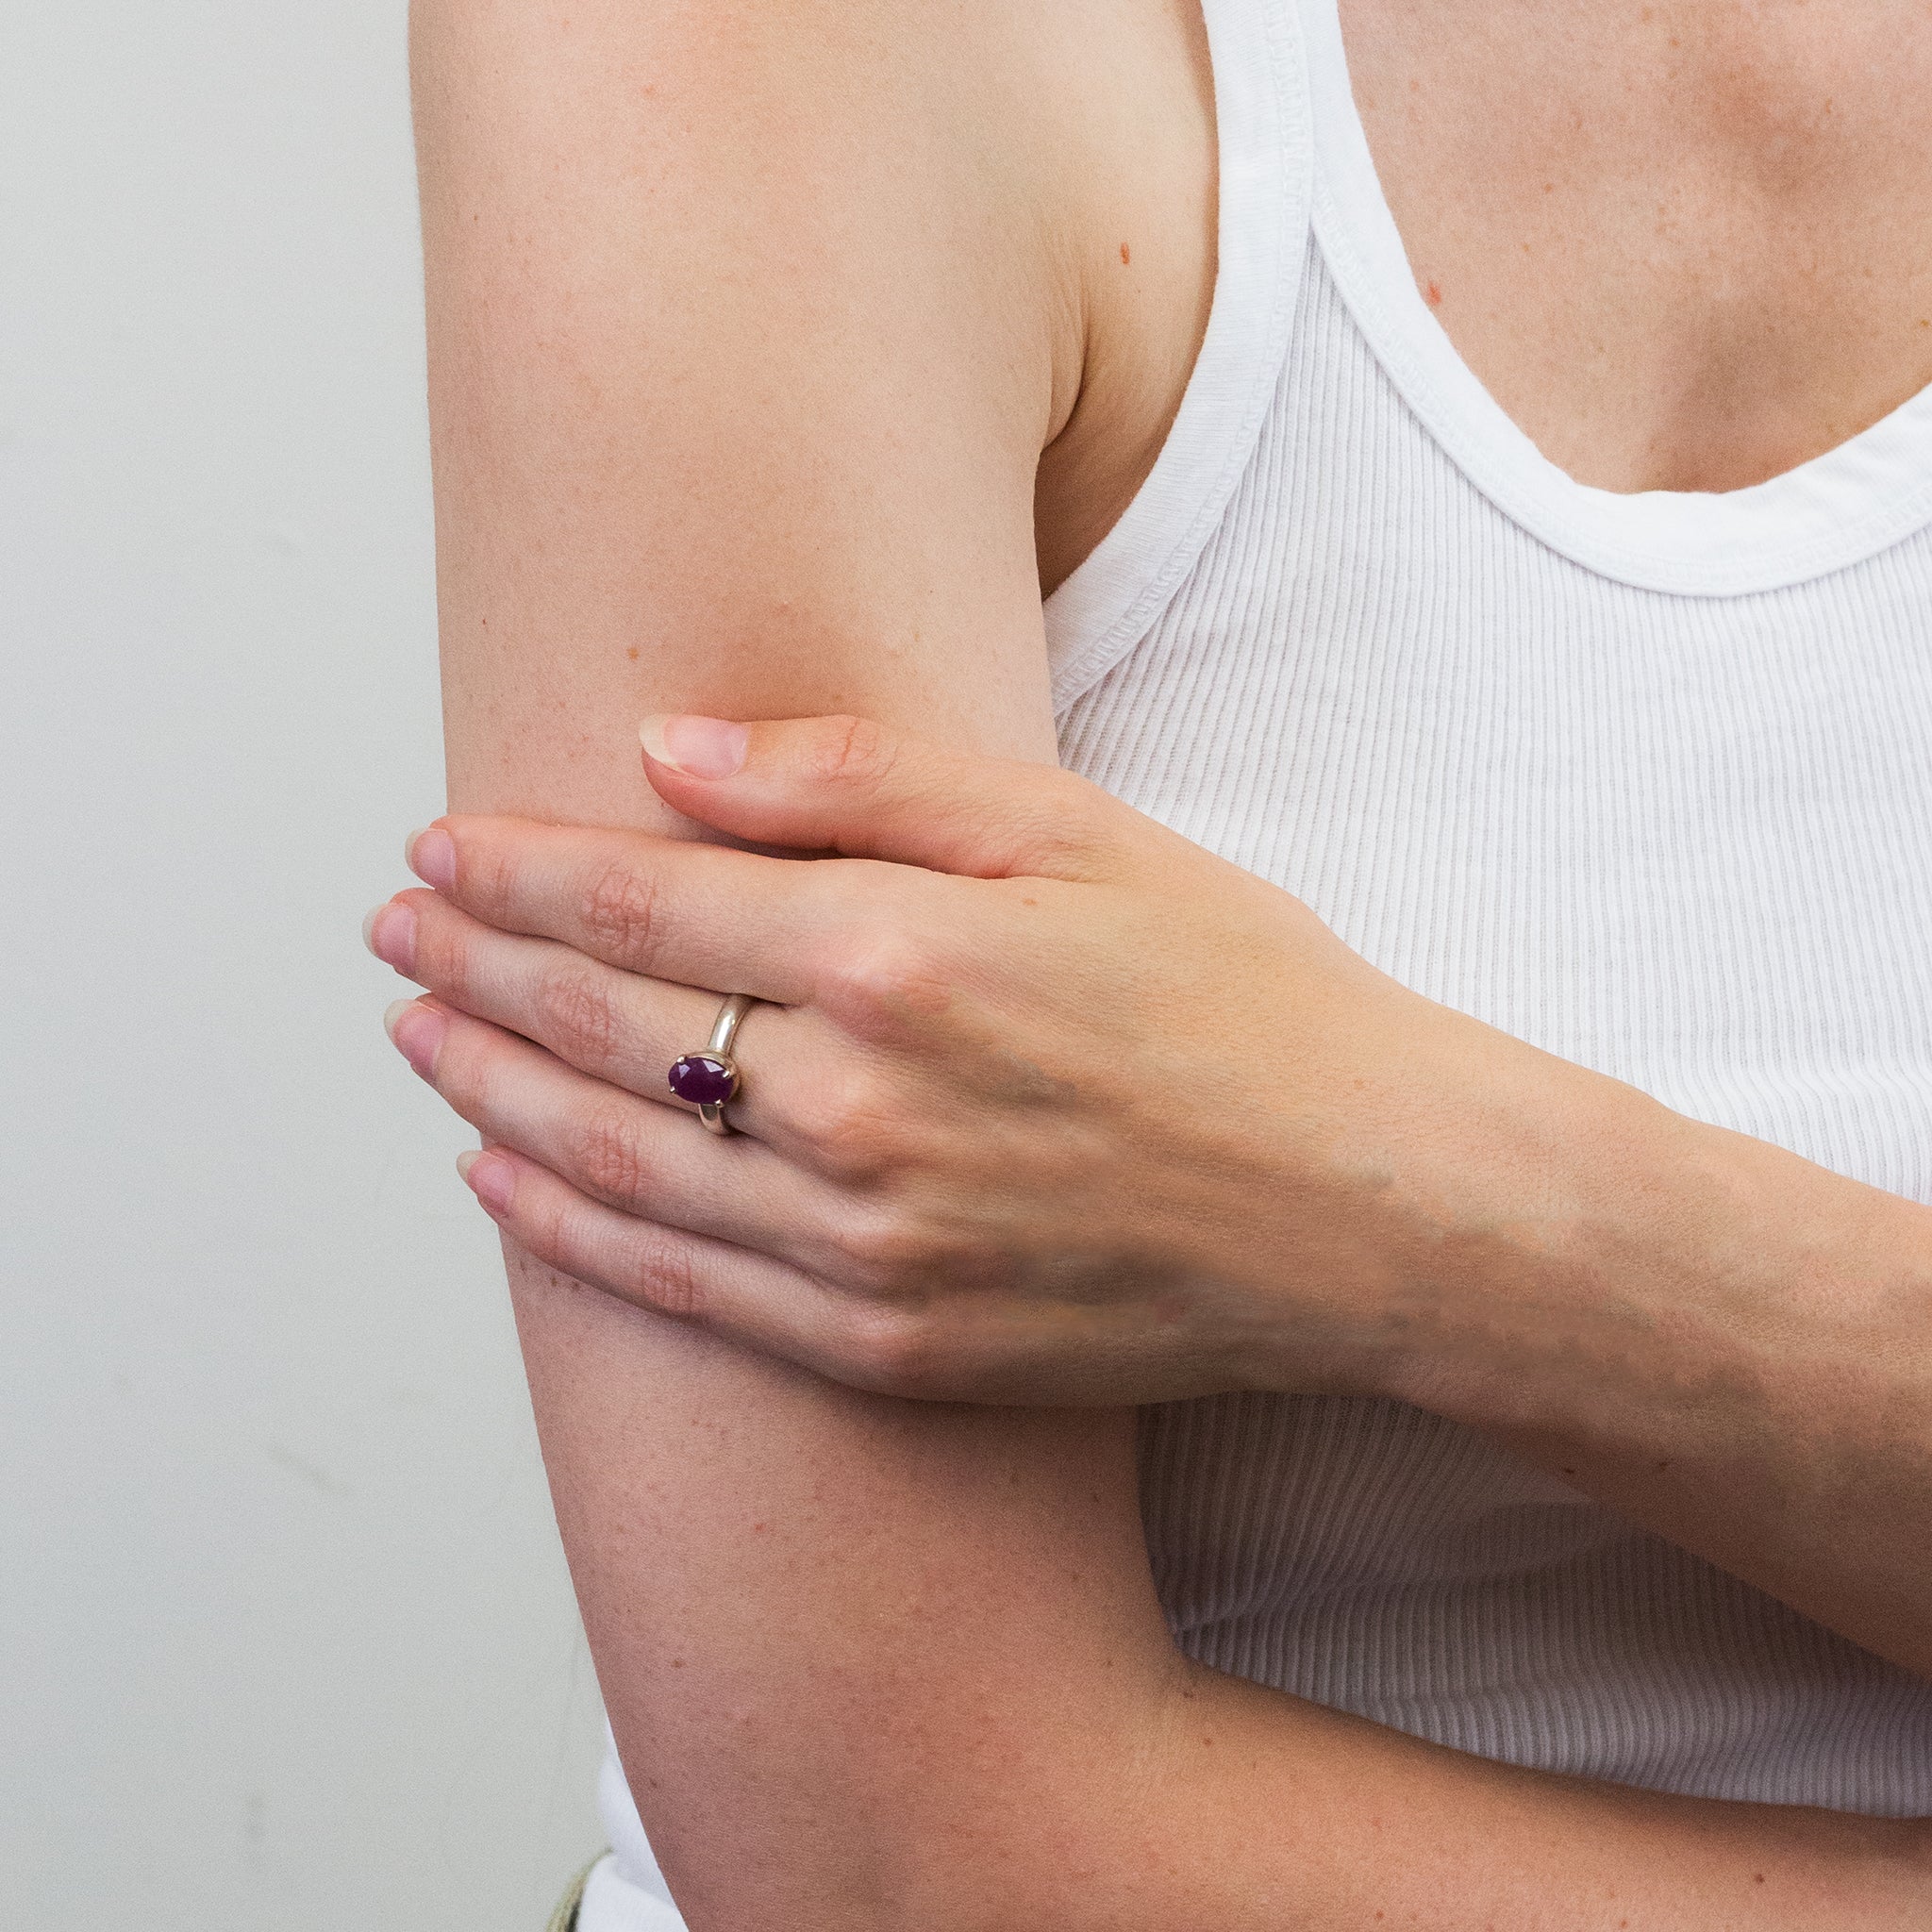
(492, 1179)
(698, 747)
(390, 933)
(417, 1031)
(431, 854)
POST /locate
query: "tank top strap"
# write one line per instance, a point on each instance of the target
(1265, 144)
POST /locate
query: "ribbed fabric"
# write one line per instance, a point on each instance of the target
(1683, 836)
(1645, 780)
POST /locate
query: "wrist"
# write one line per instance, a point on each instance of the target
(1391, 1236)
(1572, 1219)
(1610, 1272)
(1501, 1228)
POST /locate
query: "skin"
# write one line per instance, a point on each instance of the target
(1693, 252)
(975, 1164)
(798, 426)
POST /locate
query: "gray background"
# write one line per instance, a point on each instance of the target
(285, 1636)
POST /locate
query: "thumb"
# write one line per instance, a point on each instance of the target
(848, 785)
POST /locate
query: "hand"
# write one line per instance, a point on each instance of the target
(1047, 1104)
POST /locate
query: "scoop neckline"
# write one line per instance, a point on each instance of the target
(1832, 510)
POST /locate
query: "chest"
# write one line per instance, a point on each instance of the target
(1681, 840)
(1686, 245)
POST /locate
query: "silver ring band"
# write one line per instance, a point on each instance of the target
(723, 1031)
(708, 1078)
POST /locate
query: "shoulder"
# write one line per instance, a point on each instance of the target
(808, 140)
(1020, 182)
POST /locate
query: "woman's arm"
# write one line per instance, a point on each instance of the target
(744, 348)
(1726, 1341)
(1177, 1796)
(740, 374)
(1718, 1339)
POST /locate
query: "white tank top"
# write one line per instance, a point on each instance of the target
(1645, 780)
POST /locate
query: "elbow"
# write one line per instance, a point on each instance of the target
(918, 1881)
(963, 1885)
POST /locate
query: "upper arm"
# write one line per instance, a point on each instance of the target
(741, 366)
(743, 349)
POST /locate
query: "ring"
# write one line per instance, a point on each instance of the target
(709, 1076)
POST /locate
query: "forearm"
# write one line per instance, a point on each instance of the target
(1715, 1337)
(1124, 1789)
(1225, 1807)
(1294, 1816)
(865, 1682)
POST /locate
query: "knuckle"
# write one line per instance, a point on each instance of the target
(573, 1014)
(475, 1072)
(1063, 831)
(897, 1352)
(550, 1227)
(849, 751)
(881, 987)
(1060, 831)
(889, 1253)
(1063, 826)
(1087, 813)
(665, 1277)
(619, 915)
(858, 1131)
(607, 1155)
(444, 955)
(486, 875)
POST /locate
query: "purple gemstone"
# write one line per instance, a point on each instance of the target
(702, 1078)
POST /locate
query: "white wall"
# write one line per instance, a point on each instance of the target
(285, 1636)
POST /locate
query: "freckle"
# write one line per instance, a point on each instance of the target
(1568, 1471)
(1435, 294)
(1549, 187)
(632, 654)
(1757, 1879)
(1664, 1465)
(1126, 258)
(677, 1664)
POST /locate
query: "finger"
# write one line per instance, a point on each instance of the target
(749, 1297)
(848, 785)
(701, 915)
(618, 1149)
(614, 1026)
